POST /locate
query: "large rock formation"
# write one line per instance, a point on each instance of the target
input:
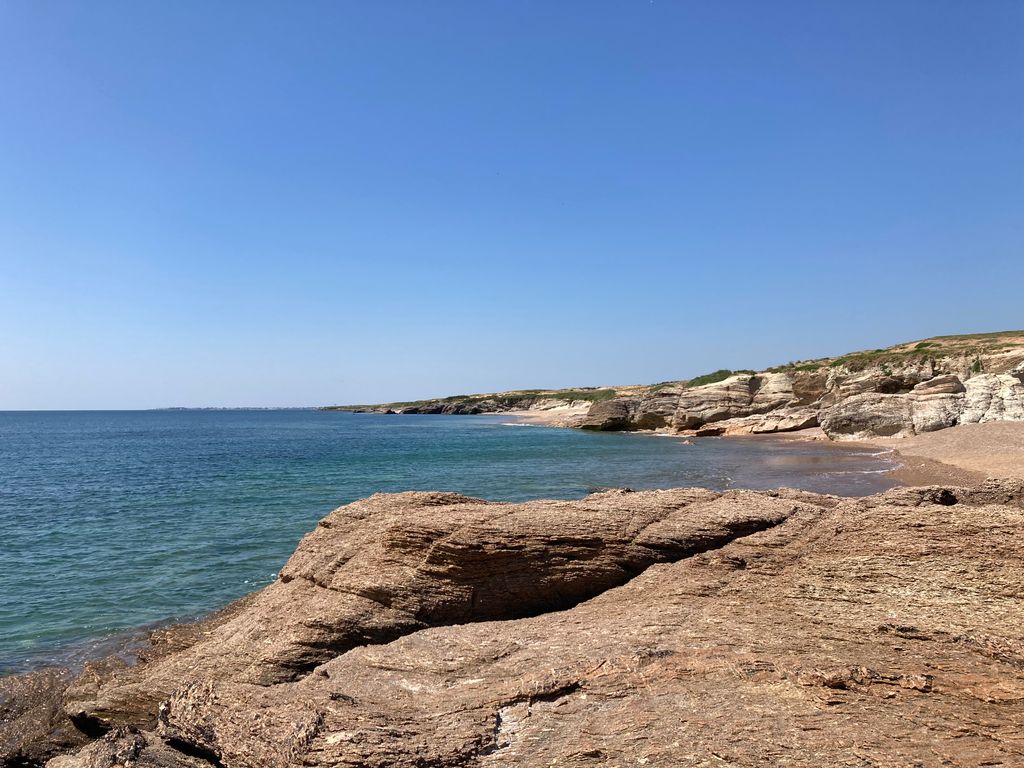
(933, 404)
(659, 628)
(896, 392)
(870, 414)
(884, 395)
(395, 564)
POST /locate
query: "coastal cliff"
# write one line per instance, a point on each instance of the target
(900, 391)
(679, 627)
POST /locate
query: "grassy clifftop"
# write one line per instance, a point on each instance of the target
(978, 346)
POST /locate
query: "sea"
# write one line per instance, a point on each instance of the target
(112, 523)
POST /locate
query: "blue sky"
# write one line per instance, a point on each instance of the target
(323, 202)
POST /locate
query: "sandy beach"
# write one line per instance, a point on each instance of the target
(558, 416)
(962, 455)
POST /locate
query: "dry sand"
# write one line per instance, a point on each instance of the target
(561, 416)
(965, 454)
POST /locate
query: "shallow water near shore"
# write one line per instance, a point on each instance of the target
(111, 521)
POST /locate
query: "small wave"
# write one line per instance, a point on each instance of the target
(859, 472)
(682, 440)
(518, 424)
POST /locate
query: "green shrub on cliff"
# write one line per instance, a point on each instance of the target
(593, 395)
(711, 378)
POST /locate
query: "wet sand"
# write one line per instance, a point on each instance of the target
(963, 455)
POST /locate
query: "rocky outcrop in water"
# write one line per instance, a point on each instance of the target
(677, 627)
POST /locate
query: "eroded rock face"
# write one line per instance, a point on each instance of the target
(993, 397)
(876, 402)
(938, 403)
(715, 402)
(870, 415)
(784, 420)
(740, 628)
(611, 415)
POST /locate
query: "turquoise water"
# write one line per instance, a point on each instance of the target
(116, 520)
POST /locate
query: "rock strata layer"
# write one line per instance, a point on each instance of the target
(679, 627)
(922, 395)
(904, 390)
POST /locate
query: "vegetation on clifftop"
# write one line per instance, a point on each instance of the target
(520, 398)
(712, 378)
(970, 345)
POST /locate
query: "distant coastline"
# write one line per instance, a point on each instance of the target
(900, 391)
(238, 408)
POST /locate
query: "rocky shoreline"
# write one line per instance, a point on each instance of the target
(681, 627)
(905, 390)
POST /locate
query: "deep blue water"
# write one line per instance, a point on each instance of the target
(115, 520)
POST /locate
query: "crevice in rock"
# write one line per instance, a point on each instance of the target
(192, 750)
(552, 694)
(19, 761)
(629, 567)
(93, 727)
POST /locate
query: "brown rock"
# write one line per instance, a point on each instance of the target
(887, 629)
(710, 431)
(128, 748)
(33, 726)
(743, 628)
(610, 415)
(394, 564)
(869, 415)
(809, 387)
(940, 385)
(784, 420)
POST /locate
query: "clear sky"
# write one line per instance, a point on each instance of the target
(258, 203)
